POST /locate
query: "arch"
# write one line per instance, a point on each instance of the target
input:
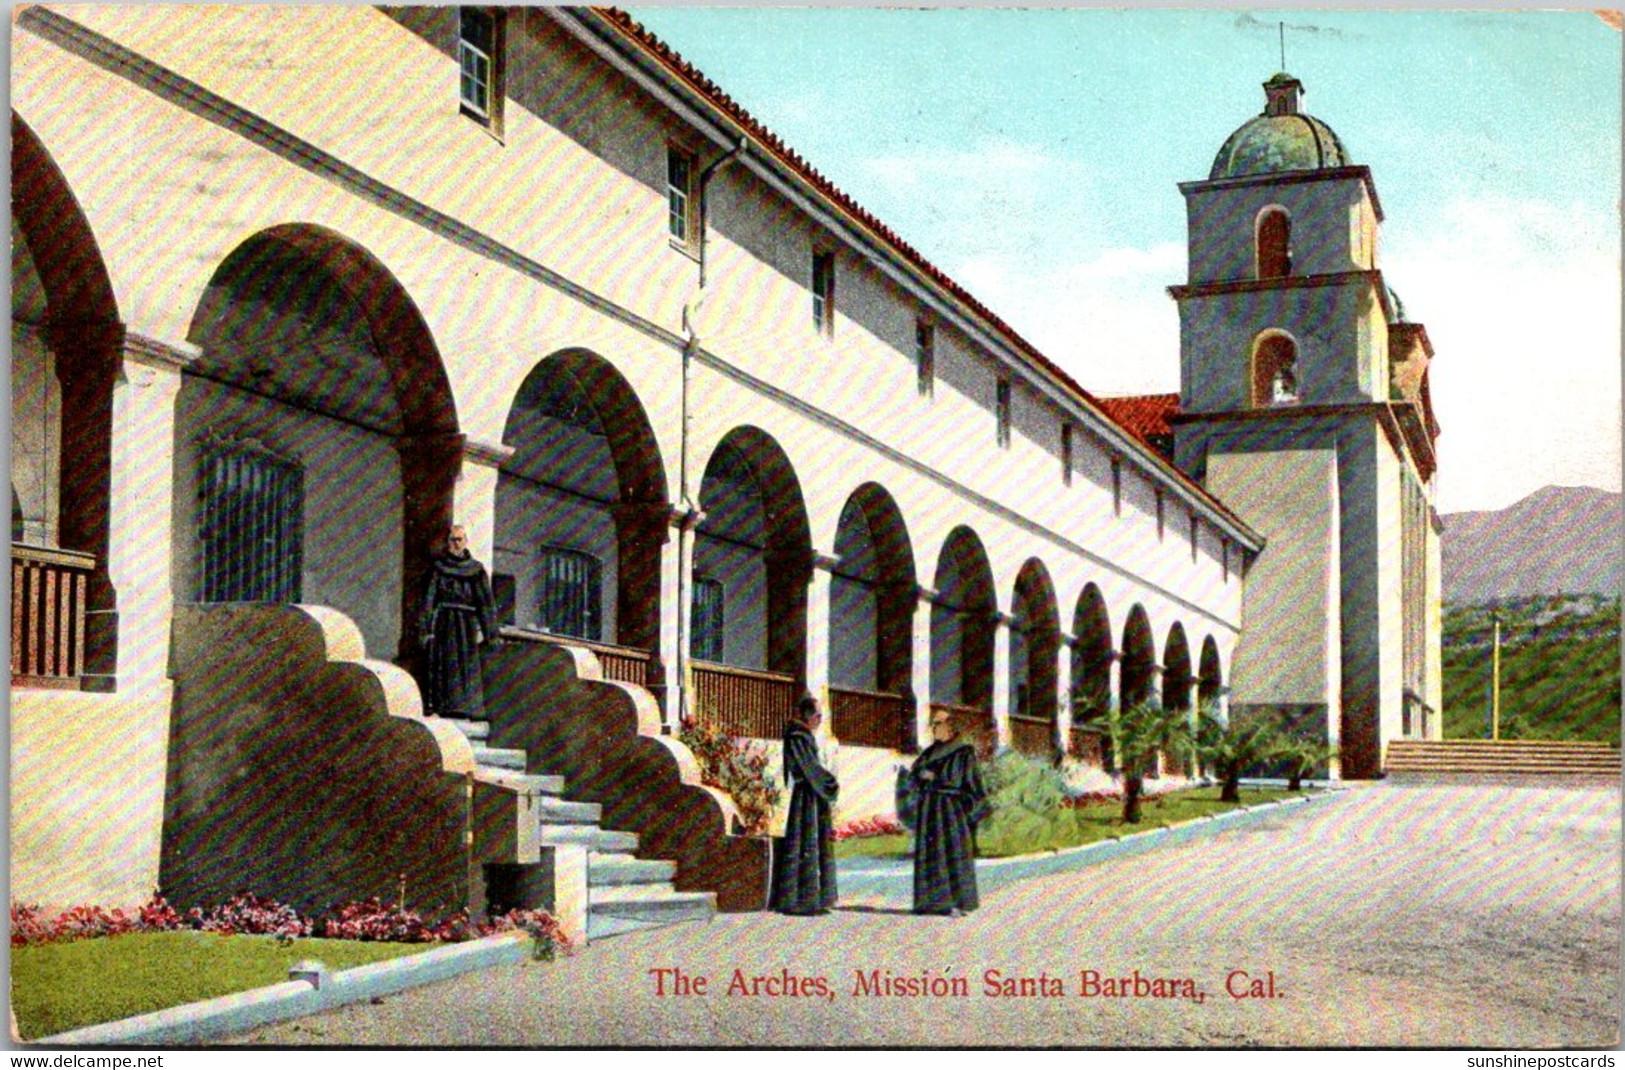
(1034, 645)
(756, 531)
(585, 478)
(1176, 670)
(1139, 659)
(1210, 677)
(298, 324)
(1272, 243)
(78, 337)
(872, 600)
(1273, 370)
(962, 617)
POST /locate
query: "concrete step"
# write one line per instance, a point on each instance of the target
(474, 730)
(607, 869)
(603, 926)
(533, 783)
(590, 836)
(499, 757)
(650, 902)
(565, 812)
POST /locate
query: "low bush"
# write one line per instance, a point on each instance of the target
(738, 767)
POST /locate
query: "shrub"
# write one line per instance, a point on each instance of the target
(738, 767)
(1026, 796)
(869, 826)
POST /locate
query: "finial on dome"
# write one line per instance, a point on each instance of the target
(1281, 95)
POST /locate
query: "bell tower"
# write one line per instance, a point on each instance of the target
(1304, 407)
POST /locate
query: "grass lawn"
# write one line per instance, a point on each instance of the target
(56, 987)
(1072, 828)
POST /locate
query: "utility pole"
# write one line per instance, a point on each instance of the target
(1495, 680)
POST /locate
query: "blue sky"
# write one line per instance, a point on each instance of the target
(1033, 155)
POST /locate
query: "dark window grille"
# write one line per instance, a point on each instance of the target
(706, 620)
(570, 594)
(253, 505)
(504, 590)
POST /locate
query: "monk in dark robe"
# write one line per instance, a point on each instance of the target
(804, 867)
(458, 612)
(948, 802)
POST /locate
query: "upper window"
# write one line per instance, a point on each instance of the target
(823, 292)
(925, 355)
(1161, 514)
(1275, 371)
(1274, 243)
(706, 620)
(1002, 406)
(569, 602)
(479, 52)
(251, 527)
(1117, 486)
(1066, 454)
(680, 201)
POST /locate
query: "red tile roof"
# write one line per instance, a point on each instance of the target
(1145, 416)
(650, 45)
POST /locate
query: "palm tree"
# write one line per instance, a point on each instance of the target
(1302, 757)
(1139, 733)
(1234, 748)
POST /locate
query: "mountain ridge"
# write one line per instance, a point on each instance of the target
(1556, 540)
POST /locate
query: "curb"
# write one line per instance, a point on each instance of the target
(193, 1022)
(995, 873)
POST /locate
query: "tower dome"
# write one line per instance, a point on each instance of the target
(1281, 139)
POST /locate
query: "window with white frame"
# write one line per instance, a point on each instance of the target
(681, 218)
(479, 63)
(251, 525)
(823, 292)
(706, 620)
(568, 600)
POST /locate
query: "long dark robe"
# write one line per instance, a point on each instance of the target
(457, 610)
(804, 866)
(948, 804)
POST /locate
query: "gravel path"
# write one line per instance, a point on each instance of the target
(1428, 915)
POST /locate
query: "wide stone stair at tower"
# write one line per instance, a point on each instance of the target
(624, 892)
(1515, 758)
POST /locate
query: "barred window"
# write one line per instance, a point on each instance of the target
(706, 620)
(570, 589)
(251, 530)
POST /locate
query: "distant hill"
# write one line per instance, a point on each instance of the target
(1559, 540)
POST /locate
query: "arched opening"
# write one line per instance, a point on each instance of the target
(581, 515)
(1139, 660)
(871, 629)
(1274, 243)
(1091, 677)
(1034, 644)
(752, 563)
(66, 351)
(1176, 684)
(1274, 370)
(962, 635)
(1210, 678)
(316, 442)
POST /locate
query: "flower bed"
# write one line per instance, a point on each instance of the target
(252, 915)
(869, 826)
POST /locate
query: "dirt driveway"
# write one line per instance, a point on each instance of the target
(1430, 915)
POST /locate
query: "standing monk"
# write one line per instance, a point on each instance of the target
(948, 802)
(458, 611)
(804, 868)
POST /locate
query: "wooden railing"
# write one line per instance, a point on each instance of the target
(1032, 736)
(48, 616)
(624, 664)
(975, 724)
(743, 702)
(1089, 745)
(872, 719)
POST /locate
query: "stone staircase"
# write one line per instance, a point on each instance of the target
(624, 892)
(1520, 758)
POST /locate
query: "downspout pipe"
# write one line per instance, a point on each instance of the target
(688, 523)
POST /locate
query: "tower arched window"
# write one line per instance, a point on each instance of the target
(1275, 371)
(1274, 243)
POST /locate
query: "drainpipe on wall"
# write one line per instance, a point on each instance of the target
(688, 523)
